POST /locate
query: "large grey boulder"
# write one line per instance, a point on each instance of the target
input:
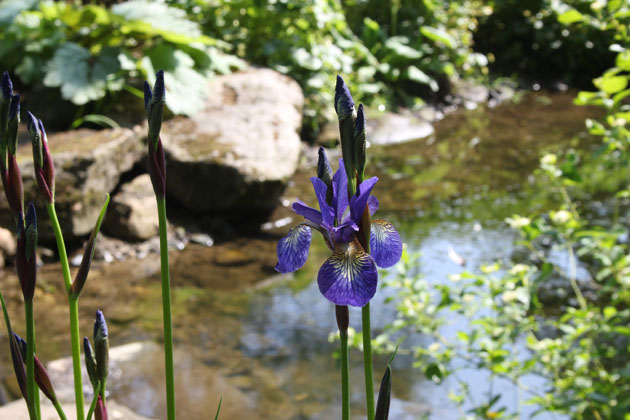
(238, 153)
(88, 165)
(132, 214)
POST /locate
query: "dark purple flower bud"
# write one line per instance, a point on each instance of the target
(359, 143)
(154, 105)
(13, 187)
(90, 362)
(12, 124)
(384, 396)
(325, 173)
(44, 166)
(18, 365)
(100, 413)
(101, 348)
(41, 374)
(26, 260)
(148, 95)
(157, 169)
(88, 253)
(344, 105)
(7, 86)
(343, 318)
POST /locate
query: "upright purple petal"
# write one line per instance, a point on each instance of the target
(328, 212)
(293, 249)
(348, 277)
(360, 199)
(372, 204)
(307, 212)
(385, 243)
(340, 192)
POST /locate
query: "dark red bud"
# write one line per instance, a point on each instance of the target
(343, 318)
(13, 187)
(100, 413)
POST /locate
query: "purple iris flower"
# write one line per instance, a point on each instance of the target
(349, 276)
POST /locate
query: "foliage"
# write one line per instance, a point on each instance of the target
(313, 40)
(91, 51)
(548, 40)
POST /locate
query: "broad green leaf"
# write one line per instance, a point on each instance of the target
(570, 16)
(185, 86)
(417, 75)
(438, 35)
(397, 45)
(82, 76)
(623, 60)
(158, 15)
(611, 84)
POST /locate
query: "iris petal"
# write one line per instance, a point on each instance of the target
(328, 213)
(307, 212)
(348, 277)
(385, 243)
(359, 200)
(293, 249)
(372, 204)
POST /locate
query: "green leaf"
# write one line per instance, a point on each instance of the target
(438, 35)
(185, 86)
(611, 84)
(417, 75)
(623, 60)
(570, 16)
(82, 76)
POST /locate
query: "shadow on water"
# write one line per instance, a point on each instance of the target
(261, 340)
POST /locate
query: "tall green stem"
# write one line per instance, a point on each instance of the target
(74, 311)
(166, 309)
(345, 376)
(31, 386)
(367, 361)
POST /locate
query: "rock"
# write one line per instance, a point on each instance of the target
(7, 243)
(469, 92)
(398, 128)
(238, 153)
(17, 410)
(132, 214)
(88, 164)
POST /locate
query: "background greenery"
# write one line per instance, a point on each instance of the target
(402, 52)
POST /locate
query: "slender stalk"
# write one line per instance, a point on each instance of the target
(74, 310)
(73, 302)
(59, 410)
(367, 361)
(166, 309)
(31, 386)
(97, 391)
(345, 376)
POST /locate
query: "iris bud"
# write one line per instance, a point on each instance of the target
(154, 105)
(344, 105)
(18, 363)
(343, 318)
(41, 374)
(359, 143)
(101, 349)
(44, 166)
(100, 412)
(90, 362)
(325, 173)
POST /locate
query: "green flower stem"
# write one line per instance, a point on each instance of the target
(367, 361)
(345, 376)
(73, 303)
(59, 410)
(166, 308)
(31, 386)
(97, 391)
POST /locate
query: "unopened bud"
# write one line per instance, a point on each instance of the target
(101, 347)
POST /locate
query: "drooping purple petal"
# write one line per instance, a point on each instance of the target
(372, 204)
(340, 192)
(293, 249)
(359, 200)
(328, 212)
(348, 277)
(385, 243)
(307, 212)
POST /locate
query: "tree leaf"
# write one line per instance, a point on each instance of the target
(570, 16)
(438, 35)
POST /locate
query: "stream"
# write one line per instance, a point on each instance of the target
(261, 340)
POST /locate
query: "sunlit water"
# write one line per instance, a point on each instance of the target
(265, 347)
